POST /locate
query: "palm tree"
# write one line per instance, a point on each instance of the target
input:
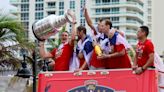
(12, 38)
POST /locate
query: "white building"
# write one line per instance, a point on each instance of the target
(126, 15)
(148, 15)
(157, 25)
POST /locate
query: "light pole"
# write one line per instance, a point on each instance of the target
(34, 71)
(24, 71)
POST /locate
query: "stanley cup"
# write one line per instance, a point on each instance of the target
(47, 26)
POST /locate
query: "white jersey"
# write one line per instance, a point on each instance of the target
(121, 40)
(84, 47)
(103, 41)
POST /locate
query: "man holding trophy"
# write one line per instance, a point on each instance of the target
(63, 53)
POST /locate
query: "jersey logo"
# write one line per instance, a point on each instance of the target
(91, 86)
(139, 50)
(58, 53)
(88, 86)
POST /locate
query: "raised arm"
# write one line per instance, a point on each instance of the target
(88, 19)
(73, 32)
(42, 51)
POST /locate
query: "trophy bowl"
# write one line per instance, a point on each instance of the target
(46, 27)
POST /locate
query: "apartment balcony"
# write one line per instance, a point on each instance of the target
(24, 11)
(134, 5)
(134, 14)
(133, 24)
(50, 8)
(24, 2)
(50, 0)
(15, 2)
(118, 14)
(24, 20)
(15, 11)
(132, 42)
(131, 33)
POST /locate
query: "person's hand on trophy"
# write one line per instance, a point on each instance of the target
(44, 28)
(72, 17)
(103, 56)
(51, 33)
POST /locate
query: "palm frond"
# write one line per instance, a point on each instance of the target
(11, 30)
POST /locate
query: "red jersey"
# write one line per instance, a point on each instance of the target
(143, 51)
(121, 61)
(62, 62)
(96, 62)
(82, 61)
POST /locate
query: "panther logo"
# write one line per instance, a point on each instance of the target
(91, 86)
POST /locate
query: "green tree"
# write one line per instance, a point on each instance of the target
(12, 39)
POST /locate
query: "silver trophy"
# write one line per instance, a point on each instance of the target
(48, 26)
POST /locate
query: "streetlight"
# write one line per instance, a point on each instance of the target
(24, 72)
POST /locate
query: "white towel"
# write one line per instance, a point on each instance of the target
(158, 62)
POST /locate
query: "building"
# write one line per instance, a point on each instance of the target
(9, 11)
(157, 25)
(126, 15)
(148, 15)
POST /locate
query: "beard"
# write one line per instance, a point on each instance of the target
(64, 40)
(138, 37)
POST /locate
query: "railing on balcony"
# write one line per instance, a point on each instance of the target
(50, 7)
(119, 3)
(128, 13)
(117, 12)
(131, 32)
(14, 10)
(115, 23)
(15, 1)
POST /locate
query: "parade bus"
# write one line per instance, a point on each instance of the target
(105, 80)
(113, 80)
